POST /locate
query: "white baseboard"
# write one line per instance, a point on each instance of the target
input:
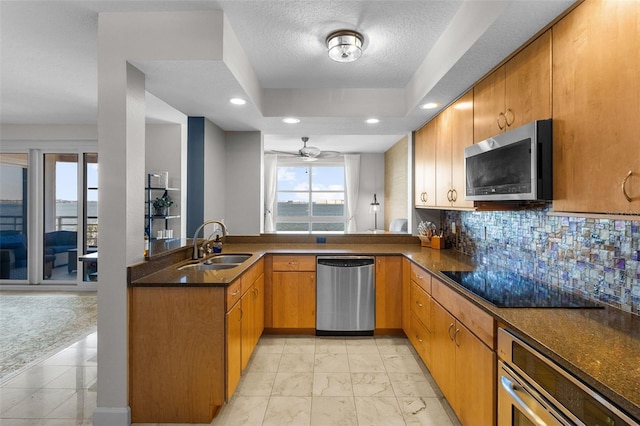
(112, 416)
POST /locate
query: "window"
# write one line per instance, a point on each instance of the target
(310, 198)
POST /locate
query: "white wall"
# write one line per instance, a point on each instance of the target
(164, 152)
(371, 182)
(244, 199)
(215, 172)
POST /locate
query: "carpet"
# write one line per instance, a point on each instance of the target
(34, 326)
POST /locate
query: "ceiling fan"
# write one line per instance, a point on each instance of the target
(309, 153)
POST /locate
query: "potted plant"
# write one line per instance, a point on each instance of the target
(161, 205)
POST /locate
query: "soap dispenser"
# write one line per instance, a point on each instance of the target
(217, 245)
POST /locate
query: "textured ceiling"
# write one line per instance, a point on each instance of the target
(415, 50)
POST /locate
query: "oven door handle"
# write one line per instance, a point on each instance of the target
(513, 389)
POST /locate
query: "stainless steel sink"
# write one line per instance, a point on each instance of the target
(208, 267)
(217, 262)
(226, 258)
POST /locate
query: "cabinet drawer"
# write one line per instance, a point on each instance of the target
(421, 277)
(475, 319)
(294, 263)
(251, 275)
(234, 292)
(421, 304)
(420, 337)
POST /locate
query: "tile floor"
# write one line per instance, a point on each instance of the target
(289, 381)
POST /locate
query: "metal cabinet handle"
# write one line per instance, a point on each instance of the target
(450, 196)
(501, 126)
(419, 339)
(419, 304)
(624, 186)
(235, 293)
(449, 331)
(455, 337)
(506, 117)
(241, 314)
(454, 195)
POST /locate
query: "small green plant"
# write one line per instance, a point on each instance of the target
(161, 202)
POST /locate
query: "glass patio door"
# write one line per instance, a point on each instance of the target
(14, 169)
(60, 217)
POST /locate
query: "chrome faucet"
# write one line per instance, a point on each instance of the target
(196, 253)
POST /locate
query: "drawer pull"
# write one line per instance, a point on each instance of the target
(419, 339)
(419, 304)
(235, 293)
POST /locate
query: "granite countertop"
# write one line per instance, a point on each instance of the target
(599, 346)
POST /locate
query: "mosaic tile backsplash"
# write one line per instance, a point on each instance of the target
(599, 258)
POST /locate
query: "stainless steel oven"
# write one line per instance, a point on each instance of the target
(533, 390)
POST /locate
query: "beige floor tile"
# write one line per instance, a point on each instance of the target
(256, 384)
(37, 376)
(400, 363)
(361, 345)
(74, 356)
(333, 411)
(366, 363)
(331, 363)
(332, 384)
(292, 384)
(264, 363)
(296, 345)
(77, 378)
(39, 404)
(411, 385)
(10, 397)
(330, 345)
(371, 384)
(288, 411)
(424, 411)
(80, 406)
(243, 411)
(297, 362)
(378, 411)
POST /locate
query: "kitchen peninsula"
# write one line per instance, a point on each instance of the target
(188, 317)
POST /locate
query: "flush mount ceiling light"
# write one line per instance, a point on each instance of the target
(291, 120)
(372, 121)
(237, 101)
(344, 45)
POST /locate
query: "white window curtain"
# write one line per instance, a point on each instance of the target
(270, 180)
(352, 183)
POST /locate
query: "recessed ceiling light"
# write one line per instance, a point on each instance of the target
(372, 121)
(290, 120)
(430, 105)
(237, 101)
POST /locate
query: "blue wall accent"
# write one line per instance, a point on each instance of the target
(195, 174)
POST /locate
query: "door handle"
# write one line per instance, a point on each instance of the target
(513, 389)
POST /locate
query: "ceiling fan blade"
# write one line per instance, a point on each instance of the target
(329, 154)
(294, 154)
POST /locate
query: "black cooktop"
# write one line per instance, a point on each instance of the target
(510, 290)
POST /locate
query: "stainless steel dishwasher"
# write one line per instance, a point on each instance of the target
(345, 296)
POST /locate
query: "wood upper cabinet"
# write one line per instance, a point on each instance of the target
(425, 165)
(596, 108)
(388, 293)
(455, 134)
(439, 156)
(293, 292)
(516, 93)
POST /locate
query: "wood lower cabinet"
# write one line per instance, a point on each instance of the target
(596, 130)
(388, 294)
(462, 363)
(293, 293)
(176, 354)
(187, 346)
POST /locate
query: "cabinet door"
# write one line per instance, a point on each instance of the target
(476, 379)
(461, 137)
(258, 306)
(424, 162)
(406, 293)
(247, 327)
(388, 292)
(443, 158)
(443, 350)
(294, 300)
(596, 108)
(528, 83)
(488, 103)
(234, 348)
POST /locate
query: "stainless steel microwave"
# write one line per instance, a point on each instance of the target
(513, 166)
